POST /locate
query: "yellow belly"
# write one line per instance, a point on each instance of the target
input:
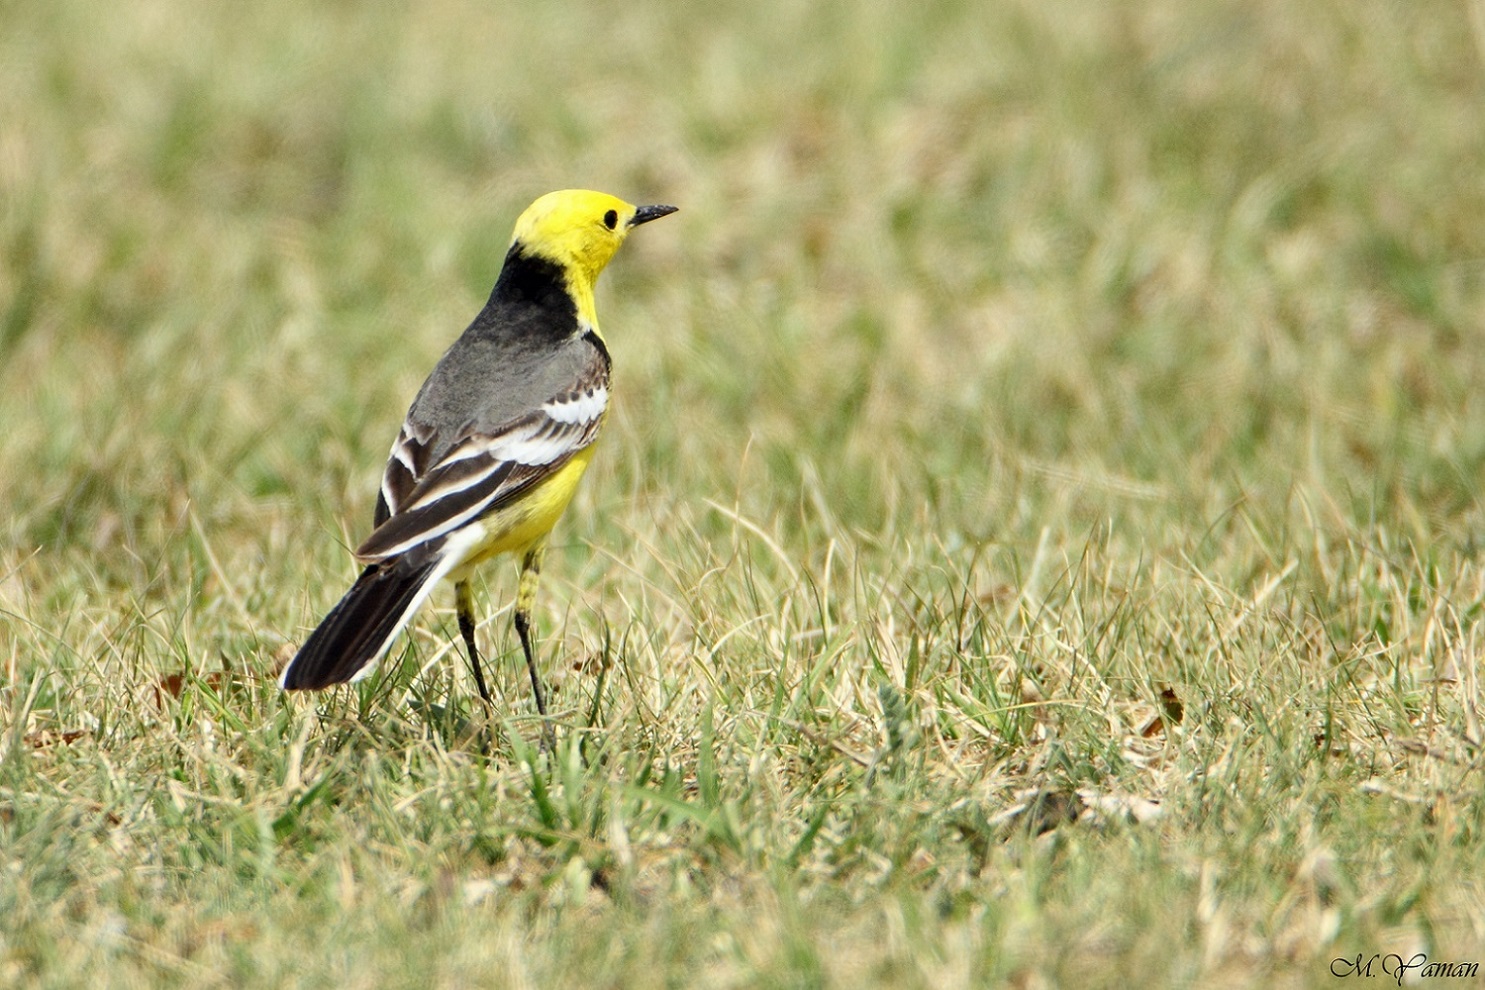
(518, 527)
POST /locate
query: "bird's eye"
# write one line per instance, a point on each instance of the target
(611, 219)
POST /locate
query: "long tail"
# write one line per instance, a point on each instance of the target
(356, 634)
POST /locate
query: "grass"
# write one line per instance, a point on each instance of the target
(1037, 542)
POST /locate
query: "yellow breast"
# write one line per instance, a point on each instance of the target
(517, 527)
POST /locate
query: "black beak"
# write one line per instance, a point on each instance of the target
(647, 213)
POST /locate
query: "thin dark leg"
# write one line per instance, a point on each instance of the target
(465, 599)
(523, 629)
(525, 598)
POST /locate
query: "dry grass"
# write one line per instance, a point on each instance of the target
(1037, 542)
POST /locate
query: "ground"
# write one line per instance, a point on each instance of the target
(1037, 541)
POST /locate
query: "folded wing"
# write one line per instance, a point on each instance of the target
(424, 499)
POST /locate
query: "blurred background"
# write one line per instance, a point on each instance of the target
(1050, 363)
(982, 261)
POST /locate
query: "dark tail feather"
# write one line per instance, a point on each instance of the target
(359, 629)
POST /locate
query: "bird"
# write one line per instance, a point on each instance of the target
(492, 448)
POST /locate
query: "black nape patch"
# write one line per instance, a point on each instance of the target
(532, 279)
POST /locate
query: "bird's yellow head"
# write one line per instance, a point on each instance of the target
(580, 230)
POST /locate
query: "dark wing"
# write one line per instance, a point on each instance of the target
(405, 465)
(424, 500)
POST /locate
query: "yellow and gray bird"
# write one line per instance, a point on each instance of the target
(493, 446)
